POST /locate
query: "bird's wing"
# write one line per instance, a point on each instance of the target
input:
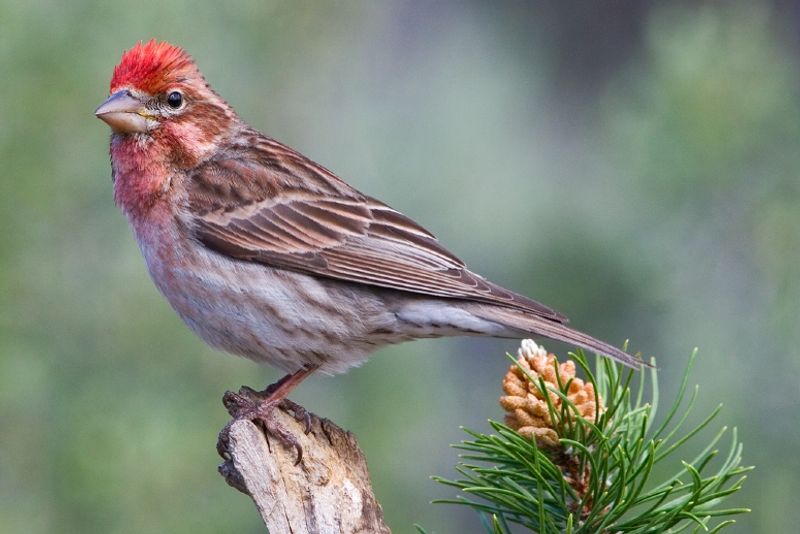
(329, 229)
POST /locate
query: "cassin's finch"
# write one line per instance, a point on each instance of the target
(266, 254)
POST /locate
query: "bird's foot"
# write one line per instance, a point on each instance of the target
(258, 407)
(300, 414)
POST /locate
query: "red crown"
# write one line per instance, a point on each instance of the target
(151, 66)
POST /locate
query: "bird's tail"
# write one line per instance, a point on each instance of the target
(521, 324)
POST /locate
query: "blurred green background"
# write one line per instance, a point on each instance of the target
(633, 164)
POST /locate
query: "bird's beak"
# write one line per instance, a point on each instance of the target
(124, 113)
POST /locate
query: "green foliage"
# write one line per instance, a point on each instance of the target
(602, 477)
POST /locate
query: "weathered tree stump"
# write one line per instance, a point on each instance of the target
(328, 491)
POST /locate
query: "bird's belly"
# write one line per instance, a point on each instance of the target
(269, 315)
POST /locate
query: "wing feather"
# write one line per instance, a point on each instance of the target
(346, 236)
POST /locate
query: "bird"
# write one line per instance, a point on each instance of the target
(268, 255)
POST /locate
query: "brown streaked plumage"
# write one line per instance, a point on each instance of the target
(266, 254)
(332, 231)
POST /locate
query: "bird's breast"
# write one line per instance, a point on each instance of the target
(270, 315)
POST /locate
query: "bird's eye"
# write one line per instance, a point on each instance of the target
(175, 99)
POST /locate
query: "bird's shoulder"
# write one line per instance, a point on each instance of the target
(250, 168)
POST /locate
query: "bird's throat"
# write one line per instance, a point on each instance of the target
(142, 176)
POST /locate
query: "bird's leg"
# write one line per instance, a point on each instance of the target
(253, 394)
(258, 406)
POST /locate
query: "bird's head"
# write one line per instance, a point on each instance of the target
(157, 91)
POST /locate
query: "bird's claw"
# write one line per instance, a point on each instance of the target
(300, 414)
(223, 441)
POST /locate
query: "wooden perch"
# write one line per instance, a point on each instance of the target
(328, 491)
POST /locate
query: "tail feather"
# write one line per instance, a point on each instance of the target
(526, 323)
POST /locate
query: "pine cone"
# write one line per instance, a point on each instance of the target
(524, 403)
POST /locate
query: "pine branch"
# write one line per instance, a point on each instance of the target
(579, 456)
